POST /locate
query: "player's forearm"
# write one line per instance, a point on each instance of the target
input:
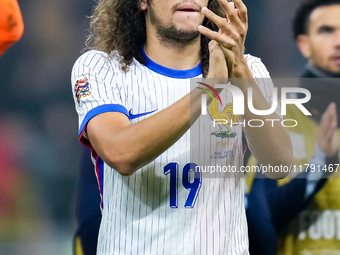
(270, 143)
(129, 148)
(271, 146)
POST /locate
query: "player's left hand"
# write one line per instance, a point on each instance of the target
(327, 135)
(232, 33)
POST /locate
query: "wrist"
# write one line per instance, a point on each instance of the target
(328, 152)
(333, 159)
(241, 70)
(212, 80)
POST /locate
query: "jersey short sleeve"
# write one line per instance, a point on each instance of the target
(262, 79)
(96, 88)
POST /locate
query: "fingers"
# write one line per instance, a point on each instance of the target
(227, 34)
(229, 9)
(335, 113)
(230, 58)
(329, 116)
(232, 32)
(329, 121)
(326, 120)
(242, 10)
(222, 23)
(221, 38)
(212, 44)
(231, 27)
(234, 16)
(217, 62)
(230, 24)
(328, 130)
(216, 52)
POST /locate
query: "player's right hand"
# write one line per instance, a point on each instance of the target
(327, 136)
(231, 35)
(217, 63)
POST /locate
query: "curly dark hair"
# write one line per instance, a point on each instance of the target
(119, 26)
(301, 18)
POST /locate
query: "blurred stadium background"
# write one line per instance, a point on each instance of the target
(39, 148)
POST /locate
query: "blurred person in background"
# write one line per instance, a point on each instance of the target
(11, 174)
(36, 177)
(302, 216)
(11, 24)
(12, 182)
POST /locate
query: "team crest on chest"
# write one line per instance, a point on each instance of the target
(225, 119)
(82, 89)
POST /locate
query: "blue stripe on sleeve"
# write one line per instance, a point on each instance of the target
(102, 109)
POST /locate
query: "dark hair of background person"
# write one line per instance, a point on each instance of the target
(301, 19)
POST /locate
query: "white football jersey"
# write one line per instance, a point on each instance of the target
(162, 208)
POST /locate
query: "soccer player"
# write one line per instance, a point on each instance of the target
(11, 24)
(135, 109)
(279, 208)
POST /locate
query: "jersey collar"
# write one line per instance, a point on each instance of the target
(172, 73)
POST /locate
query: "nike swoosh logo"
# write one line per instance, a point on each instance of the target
(134, 116)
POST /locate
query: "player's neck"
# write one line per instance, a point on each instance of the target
(175, 56)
